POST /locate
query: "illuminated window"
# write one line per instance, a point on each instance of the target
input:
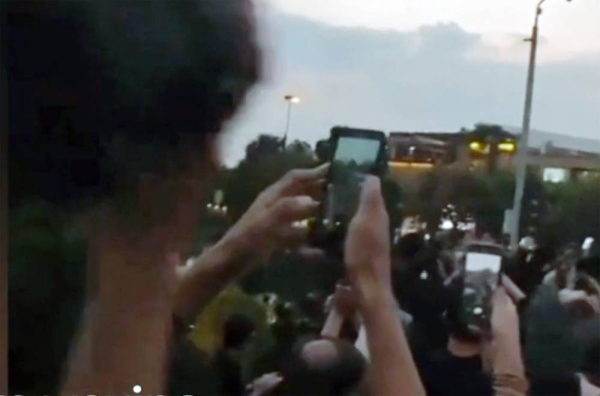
(555, 175)
(479, 148)
(507, 147)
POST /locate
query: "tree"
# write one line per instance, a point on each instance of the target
(392, 195)
(264, 164)
(298, 147)
(264, 145)
(573, 212)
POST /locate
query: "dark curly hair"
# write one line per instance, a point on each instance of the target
(102, 91)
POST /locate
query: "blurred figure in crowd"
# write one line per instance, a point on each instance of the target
(323, 367)
(237, 330)
(526, 267)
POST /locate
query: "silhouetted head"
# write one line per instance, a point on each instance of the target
(237, 331)
(323, 367)
(102, 92)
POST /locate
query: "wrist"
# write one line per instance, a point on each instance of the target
(376, 300)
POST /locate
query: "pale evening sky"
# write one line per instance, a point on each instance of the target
(434, 65)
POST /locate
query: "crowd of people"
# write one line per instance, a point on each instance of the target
(115, 109)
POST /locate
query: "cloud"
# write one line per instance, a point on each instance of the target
(437, 77)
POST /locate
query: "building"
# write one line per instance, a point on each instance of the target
(490, 147)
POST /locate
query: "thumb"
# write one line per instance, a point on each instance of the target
(371, 200)
(500, 297)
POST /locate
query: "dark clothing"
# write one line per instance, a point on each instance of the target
(550, 348)
(526, 275)
(446, 375)
(190, 371)
(559, 385)
(230, 374)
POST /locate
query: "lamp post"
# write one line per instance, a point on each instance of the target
(291, 100)
(522, 147)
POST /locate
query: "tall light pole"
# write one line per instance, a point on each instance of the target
(522, 147)
(291, 100)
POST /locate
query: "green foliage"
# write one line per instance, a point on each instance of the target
(574, 211)
(264, 145)
(264, 165)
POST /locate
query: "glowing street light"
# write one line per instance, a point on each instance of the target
(290, 99)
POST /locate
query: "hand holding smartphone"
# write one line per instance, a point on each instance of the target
(482, 274)
(355, 153)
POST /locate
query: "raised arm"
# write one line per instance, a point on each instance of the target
(508, 370)
(367, 255)
(265, 227)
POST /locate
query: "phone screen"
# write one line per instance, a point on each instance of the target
(484, 265)
(482, 275)
(353, 159)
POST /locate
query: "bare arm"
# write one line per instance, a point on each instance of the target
(367, 255)
(209, 274)
(507, 362)
(265, 227)
(393, 371)
(333, 324)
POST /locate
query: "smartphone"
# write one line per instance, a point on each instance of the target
(482, 274)
(354, 154)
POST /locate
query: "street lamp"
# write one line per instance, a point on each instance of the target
(291, 100)
(521, 157)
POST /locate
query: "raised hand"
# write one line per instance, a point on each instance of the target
(367, 250)
(269, 222)
(266, 226)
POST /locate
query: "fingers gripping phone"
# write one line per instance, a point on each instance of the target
(354, 153)
(482, 274)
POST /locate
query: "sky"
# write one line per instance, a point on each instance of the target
(420, 65)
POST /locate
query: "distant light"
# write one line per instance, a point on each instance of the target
(404, 164)
(555, 175)
(477, 310)
(479, 147)
(137, 389)
(427, 237)
(424, 275)
(292, 99)
(301, 224)
(447, 225)
(209, 206)
(507, 147)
